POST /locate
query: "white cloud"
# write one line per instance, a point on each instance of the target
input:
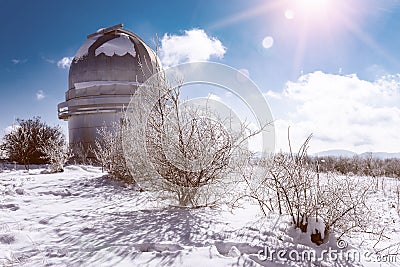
(49, 60)
(242, 75)
(343, 112)
(10, 128)
(214, 97)
(194, 45)
(65, 62)
(18, 61)
(40, 95)
(245, 72)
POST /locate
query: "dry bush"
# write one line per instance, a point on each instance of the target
(57, 152)
(360, 165)
(81, 153)
(109, 153)
(291, 179)
(25, 143)
(340, 202)
(291, 183)
(182, 152)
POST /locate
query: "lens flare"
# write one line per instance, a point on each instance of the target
(268, 42)
(289, 14)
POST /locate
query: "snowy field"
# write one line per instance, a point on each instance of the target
(80, 218)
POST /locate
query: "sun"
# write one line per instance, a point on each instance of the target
(314, 4)
(317, 9)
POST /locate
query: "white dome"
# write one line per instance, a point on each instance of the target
(104, 74)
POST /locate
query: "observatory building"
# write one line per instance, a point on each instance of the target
(103, 76)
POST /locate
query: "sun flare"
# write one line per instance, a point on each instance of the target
(313, 4)
(311, 8)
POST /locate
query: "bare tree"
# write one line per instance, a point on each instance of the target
(24, 143)
(183, 152)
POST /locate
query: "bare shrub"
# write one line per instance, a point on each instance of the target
(182, 152)
(290, 182)
(366, 165)
(25, 142)
(81, 153)
(340, 202)
(397, 194)
(57, 152)
(109, 153)
(255, 188)
(291, 178)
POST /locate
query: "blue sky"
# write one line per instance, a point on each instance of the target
(328, 67)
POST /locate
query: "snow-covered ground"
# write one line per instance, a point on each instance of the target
(81, 218)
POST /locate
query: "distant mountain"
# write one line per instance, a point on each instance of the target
(381, 155)
(347, 153)
(335, 153)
